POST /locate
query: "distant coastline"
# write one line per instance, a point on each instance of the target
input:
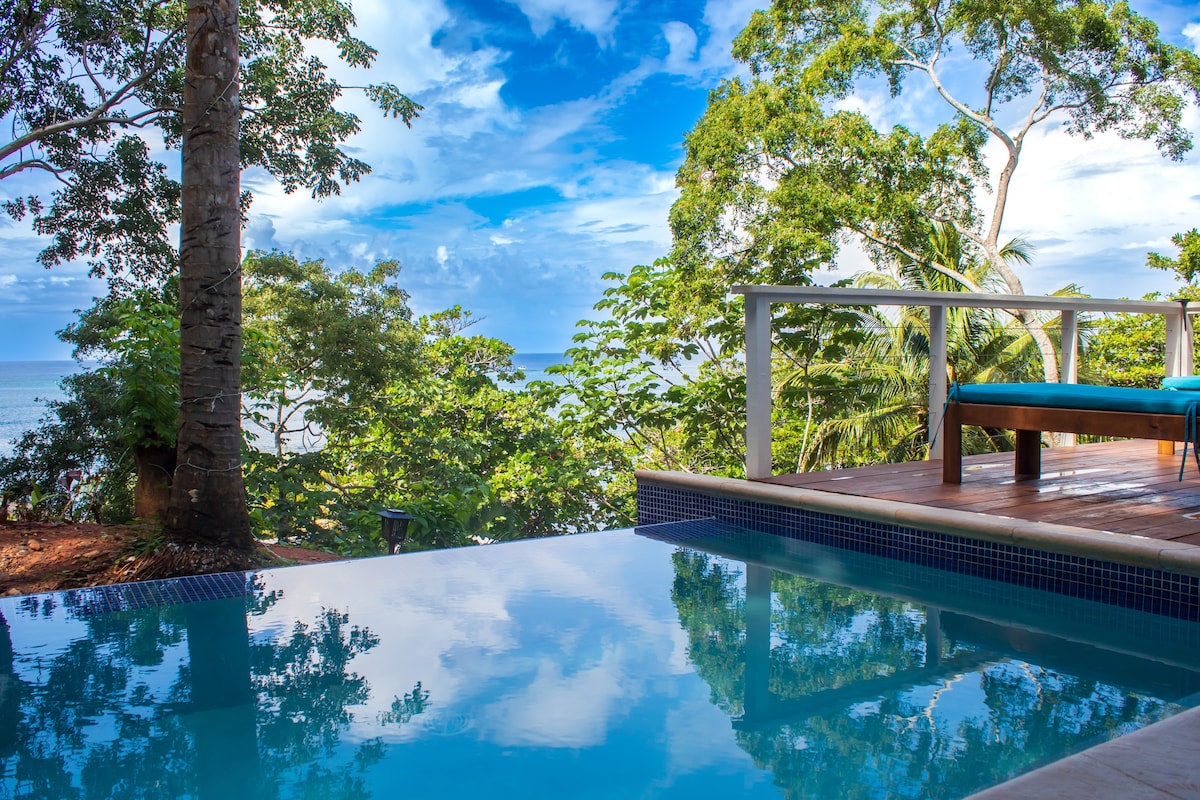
(26, 387)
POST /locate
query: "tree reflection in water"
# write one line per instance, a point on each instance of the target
(844, 693)
(180, 701)
(565, 681)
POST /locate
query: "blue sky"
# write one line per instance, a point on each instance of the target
(546, 157)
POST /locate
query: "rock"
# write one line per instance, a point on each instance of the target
(34, 544)
(90, 554)
(13, 592)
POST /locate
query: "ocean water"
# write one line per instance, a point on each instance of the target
(26, 386)
(534, 365)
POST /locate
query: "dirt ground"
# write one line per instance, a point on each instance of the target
(46, 556)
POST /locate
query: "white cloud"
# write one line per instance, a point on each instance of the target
(407, 56)
(1192, 32)
(725, 19)
(462, 624)
(557, 710)
(597, 17)
(1153, 244)
(1091, 208)
(470, 144)
(1095, 207)
(681, 40)
(479, 97)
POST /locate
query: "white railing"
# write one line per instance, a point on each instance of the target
(758, 342)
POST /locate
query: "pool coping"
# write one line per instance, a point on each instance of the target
(1152, 763)
(1119, 548)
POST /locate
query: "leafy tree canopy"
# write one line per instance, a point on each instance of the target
(89, 90)
(321, 345)
(1186, 265)
(350, 405)
(779, 175)
(1097, 63)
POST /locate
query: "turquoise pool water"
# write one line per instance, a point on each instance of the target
(719, 664)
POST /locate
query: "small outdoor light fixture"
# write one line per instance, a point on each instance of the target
(394, 526)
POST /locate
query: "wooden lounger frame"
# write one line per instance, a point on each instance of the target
(1029, 421)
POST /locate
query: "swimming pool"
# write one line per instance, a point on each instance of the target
(694, 660)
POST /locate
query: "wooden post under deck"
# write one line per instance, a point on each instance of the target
(1029, 421)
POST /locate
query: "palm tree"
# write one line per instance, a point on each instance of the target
(885, 417)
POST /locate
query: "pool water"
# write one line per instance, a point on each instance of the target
(719, 663)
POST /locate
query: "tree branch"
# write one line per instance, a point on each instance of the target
(98, 116)
(35, 163)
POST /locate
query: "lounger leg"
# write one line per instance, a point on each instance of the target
(1166, 448)
(951, 445)
(1029, 455)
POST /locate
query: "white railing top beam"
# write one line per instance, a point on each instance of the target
(832, 295)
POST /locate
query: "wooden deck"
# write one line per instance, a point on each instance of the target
(1122, 487)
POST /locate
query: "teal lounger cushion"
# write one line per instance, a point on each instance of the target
(1074, 395)
(1189, 383)
(1090, 398)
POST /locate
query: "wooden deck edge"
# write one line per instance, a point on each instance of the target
(1120, 548)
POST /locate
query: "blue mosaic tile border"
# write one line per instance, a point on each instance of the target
(964, 594)
(677, 532)
(149, 594)
(1138, 588)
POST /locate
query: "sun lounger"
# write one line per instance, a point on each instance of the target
(1030, 408)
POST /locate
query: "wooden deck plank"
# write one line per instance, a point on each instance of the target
(1122, 487)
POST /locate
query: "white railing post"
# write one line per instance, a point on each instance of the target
(937, 378)
(1179, 355)
(1174, 341)
(758, 387)
(1068, 370)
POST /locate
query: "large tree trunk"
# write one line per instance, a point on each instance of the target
(208, 500)
(152, 493)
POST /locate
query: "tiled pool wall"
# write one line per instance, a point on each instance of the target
(1139, 588)
(133, 596)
